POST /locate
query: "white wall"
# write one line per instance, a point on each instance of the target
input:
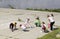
(30, 3)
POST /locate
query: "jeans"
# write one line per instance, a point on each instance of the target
(51, 25)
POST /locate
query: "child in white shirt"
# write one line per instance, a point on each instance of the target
(23, 27)
(27, 23)
(51, 20)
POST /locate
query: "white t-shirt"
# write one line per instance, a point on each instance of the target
(27, 23)
(51, 19)
(23, 27)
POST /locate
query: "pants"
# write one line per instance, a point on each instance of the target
(11, 27)
(51, 25)
(15, 26)
(37, 25)
(44, 28)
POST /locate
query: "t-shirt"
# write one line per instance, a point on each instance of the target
(23, 27)
(27, 21)
(38, 22)
(43, 26)
(51, 19)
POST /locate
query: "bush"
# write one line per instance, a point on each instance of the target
(29, 9)
(50, 10)
(19, 19)
(51, 35)
(11, 7)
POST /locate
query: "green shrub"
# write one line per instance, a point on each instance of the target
(29, 9)
(19, 19)
(49, 10)
(51, 35)
(11, 7)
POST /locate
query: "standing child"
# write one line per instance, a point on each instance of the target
(51, 20)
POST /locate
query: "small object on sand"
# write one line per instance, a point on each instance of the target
(19, 19)
(58, 35)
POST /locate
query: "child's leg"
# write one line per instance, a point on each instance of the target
(36, 24)
(39, 25)
(44, 29)
(12, 28)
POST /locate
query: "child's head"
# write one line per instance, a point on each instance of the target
(11, 23)
(52, 15)
(43, 22)
(37, 18)
(20, 25)
(28, 19)
(15, 22)
(48, 15)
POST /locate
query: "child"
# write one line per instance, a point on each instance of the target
(23, 27)
(51, 20)
(27, 22)
(44, 26)
(11, 26)
(15, 25)
(48, 25)
(37, 22)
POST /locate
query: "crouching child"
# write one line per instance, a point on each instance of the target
(23, 27)
(43, 26)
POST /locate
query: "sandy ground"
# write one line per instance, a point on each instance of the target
(11, 15)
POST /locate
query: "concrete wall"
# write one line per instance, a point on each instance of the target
(30, 4)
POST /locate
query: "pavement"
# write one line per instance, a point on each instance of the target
(11, 15)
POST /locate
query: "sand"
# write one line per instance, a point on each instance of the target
(11, 15)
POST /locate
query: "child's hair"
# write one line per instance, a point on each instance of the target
(28, 19)
(52, 15)
(15, 22)
(20, 25)
(48, 15)
(37, 18)
(48, 25)
(43, 22)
